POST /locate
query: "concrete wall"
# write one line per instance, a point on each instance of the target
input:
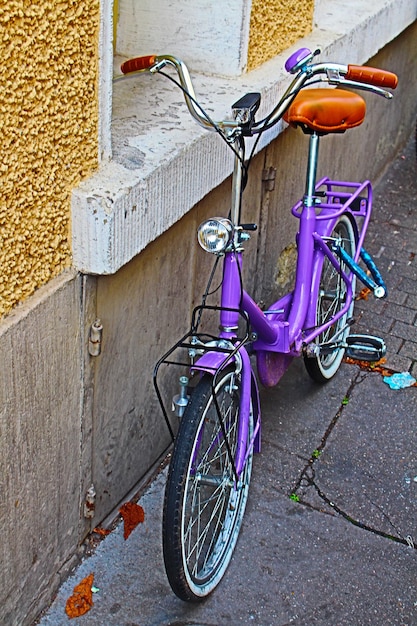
(40, 430)
(361, 153)
(69, 420)
(225, 38)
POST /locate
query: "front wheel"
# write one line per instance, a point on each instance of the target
(331, 298)
(203, 506)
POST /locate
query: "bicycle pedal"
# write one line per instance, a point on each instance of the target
(365, 347)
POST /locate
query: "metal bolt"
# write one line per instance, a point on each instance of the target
(95, 338)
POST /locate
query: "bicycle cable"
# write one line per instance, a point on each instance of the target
(205, 114)
(207, 293)
(263, 125)
(259, 128)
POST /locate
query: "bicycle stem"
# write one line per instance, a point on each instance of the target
(237, 183)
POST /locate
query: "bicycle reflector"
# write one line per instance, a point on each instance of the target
(215, 234)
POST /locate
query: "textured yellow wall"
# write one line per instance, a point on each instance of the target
(48, 134)
(275, 25)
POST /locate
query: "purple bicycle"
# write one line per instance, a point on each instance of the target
(218, 403)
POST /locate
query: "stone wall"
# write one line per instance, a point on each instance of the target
(69, 420)
(275, 26)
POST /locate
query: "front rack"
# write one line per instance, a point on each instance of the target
(196, 343)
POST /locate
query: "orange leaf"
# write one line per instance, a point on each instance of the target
(103, 532)
(133, 514)
(363, 294)
(81, 600)
(371, 366)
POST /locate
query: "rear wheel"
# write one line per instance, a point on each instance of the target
(331, 299)
(203, 507)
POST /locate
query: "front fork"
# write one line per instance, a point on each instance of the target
(229, 350)
(213, 363)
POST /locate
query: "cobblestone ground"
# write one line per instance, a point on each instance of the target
(392, 241)
(340, 553)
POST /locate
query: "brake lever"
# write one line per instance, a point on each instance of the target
(159, 66)
(377, 90)
(335, 78)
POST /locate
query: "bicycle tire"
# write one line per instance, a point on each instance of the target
(203, 510)
(330, 299)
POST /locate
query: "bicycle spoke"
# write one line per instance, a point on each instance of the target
(212, 507)
(331, 299)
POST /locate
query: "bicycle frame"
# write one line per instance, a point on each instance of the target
(284, 328)
(289, 326)
(209, 475)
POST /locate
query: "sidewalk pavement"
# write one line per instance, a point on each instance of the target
(330, 532)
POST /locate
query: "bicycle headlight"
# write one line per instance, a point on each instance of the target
(215, 234)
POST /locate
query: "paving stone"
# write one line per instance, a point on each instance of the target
(406, 331)
(371, 323)
(408, 285)
(398, 363)
(400, 313)
(411, 301)
(394, 344)
(409, 349)
(399, 297)
(391, 254)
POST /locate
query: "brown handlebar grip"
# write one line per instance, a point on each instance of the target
(372, 76)
(137, 64)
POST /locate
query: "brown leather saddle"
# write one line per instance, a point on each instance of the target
(326, 110)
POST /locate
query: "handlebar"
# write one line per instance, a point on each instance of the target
(372, 76)
(138, 64)
(300, 63)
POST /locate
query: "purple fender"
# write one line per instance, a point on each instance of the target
(211, 361)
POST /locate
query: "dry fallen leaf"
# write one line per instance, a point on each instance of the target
(103, 532)
(133, 514)
(363, 294)
(81, 600)
(377, 366)
(371, 366)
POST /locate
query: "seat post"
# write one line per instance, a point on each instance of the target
(313, 154)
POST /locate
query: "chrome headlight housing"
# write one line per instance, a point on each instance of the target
(215, 234)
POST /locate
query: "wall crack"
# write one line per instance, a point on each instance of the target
(307, 480)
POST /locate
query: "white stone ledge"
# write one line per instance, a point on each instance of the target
(163, 163)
